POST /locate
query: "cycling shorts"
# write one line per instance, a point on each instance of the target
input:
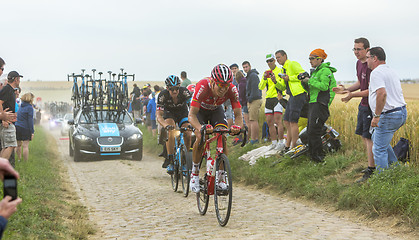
(214, 117)
(180, 116)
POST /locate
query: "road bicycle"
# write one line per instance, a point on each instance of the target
(91, 94)
(182, 162)
(330, 143)
(218, 171)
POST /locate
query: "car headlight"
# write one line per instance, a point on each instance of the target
(135, 136)
(82, 137)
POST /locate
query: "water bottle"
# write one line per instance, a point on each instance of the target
(210, 166)
(210, 175)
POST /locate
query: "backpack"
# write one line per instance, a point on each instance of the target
(401, 149)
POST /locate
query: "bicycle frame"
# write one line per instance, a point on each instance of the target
(219, 150)
(219, 137)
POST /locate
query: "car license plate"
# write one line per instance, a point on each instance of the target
(110, 149)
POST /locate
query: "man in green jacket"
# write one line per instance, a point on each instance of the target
(320, 85)
(288, 81)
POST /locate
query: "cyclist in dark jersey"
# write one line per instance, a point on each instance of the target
(209, 94)
(172, 108)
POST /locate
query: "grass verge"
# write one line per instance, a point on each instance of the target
(50, 208)
(394, 192)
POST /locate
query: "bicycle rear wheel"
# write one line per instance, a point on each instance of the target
(223, 190)
(202, 196)
(185, 169)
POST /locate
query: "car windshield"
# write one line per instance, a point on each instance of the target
(105, 117)
(68, 116)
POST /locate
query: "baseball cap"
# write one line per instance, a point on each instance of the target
(234, 65)
(270, 56)
(13, 74)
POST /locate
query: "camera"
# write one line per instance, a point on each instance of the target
(268, 73)
(303, 75)
(10, 186)
(281, 75)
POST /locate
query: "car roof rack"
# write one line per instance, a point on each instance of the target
(93, 92)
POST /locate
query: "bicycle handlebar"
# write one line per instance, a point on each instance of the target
(223, 130)
(182, 129)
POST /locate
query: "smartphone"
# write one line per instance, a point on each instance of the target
(281, 75)
(10, 186)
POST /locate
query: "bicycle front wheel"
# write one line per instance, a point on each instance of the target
(175, 175)
(185, 169)
(202, 196)
(223, 190)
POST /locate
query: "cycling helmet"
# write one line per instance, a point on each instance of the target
(222, 74)
(172, 80)
(191, 88)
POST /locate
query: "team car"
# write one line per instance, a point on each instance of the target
(64, 126)
(104, 133)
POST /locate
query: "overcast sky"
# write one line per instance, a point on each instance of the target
(46, 39)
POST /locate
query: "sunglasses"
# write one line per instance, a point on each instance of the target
(174, 88)
(223, 85)
(270, 60)
(2, 69)
(312, 58)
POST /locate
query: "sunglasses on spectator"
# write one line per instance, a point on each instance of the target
(312, 58)
(270, 60)
(2, 69)
(175, 88)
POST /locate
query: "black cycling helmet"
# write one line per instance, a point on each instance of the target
(172, 80)
(222, 74)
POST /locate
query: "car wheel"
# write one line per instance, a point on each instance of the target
(138, 156)
(77, 154)
(70, 149)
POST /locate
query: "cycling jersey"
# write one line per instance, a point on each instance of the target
(272, 91)
(293, 86)
(165, 101)
(203, 97)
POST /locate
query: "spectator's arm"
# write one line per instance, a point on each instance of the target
(254, 86)
(248, 90)
(295, 70)
(3, 224)
(322, 81)
(262, 83)
(30, 121)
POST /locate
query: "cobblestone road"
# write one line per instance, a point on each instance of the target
(134, 200)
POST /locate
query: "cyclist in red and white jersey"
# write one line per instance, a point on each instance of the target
(206, 111)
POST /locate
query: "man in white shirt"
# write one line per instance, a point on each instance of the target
(387, 105)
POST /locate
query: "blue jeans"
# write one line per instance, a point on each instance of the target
(381, 137)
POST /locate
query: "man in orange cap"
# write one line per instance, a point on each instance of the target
(320, 84)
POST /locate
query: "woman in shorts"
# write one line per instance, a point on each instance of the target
(24, 126)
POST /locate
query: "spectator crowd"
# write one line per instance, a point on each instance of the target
(293, 99)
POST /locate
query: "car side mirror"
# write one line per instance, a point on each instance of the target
(70, 122)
